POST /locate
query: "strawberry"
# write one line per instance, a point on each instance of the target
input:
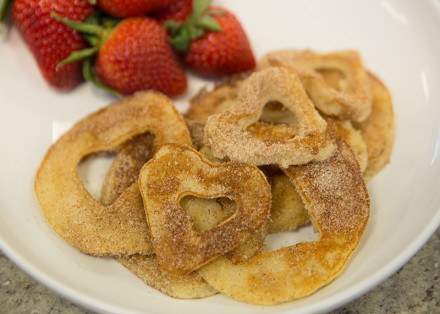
(137, 56)
(212, 41)
(129, 8)
(177, 11)
(134, 55)
(49, 40)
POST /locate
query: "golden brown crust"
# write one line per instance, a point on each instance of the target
(206, 214)
(222, 97)
(371, 141)
(336, 197)
(147, 268)
(123, 172)
(203, 220)
(125, 169)
(226, 133)
(350, 98)
(73, 213)
(353, 137)
(176, 171)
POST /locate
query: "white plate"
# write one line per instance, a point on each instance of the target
(398, 41)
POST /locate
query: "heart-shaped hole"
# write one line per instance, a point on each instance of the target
(92, 172)
(237, 134)
(72, 211)
(207, 213)
(274, 112)
(177, 171)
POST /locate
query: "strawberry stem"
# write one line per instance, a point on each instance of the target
(200, 7)
(95, 30)
(194, 27)
(90, 76)
(79, 55)
(79, 26)
(4, 9)
(208, 22)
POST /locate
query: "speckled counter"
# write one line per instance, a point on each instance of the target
(413, 289)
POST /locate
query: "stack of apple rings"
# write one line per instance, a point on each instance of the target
(267, 153)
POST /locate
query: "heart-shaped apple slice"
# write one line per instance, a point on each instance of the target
(229, 134)
(177, 171)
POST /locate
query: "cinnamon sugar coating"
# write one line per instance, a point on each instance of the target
(206, 214)
(337, 200)
(123, 172)
(147, 268)
(227, 136)
(191, 224)
(177, 171)
(371, 140)
(336, 82)
(81, 220)
(378, 131)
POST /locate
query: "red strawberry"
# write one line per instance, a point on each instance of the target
(177, 11)
(221, 53)
(133, 56)
(49, 40)
(137, 56)
(128, 8)
(212, 41)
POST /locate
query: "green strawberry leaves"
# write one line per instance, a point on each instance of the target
(208, 22)
(90, 76)
(194, 27)
(200, 6)
(4, 9)
(95, 30)
(86, 27)
(79, 55)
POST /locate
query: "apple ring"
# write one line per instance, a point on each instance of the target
(206, 213)
(353, 137)
(337, 200)
(123, 172)
(378, 131)
(147, 268)
(336, 82)
(74, 214)
(176, 171)
(226, 133)
(222, 98)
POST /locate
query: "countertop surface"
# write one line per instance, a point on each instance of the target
(415, 288)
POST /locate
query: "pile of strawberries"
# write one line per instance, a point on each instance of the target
(125, 46)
